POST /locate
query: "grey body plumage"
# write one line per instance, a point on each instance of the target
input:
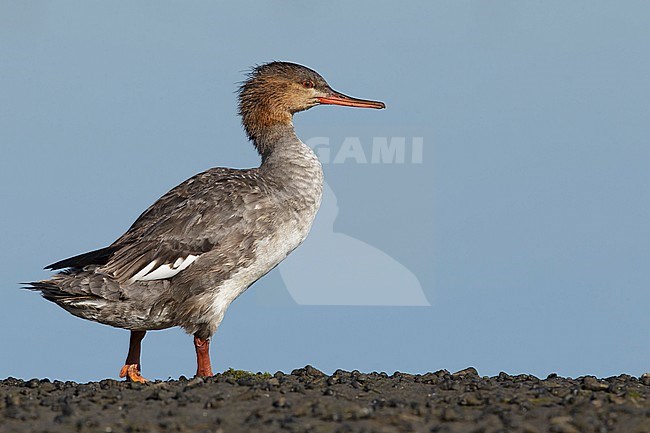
(197, 248)
(226, 217)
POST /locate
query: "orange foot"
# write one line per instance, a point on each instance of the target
(132, 373)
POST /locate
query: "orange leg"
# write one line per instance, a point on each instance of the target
(203, 366)
(131, 369)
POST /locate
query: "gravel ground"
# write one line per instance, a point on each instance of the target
(309, 401)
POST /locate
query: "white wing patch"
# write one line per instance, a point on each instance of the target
(148, 273)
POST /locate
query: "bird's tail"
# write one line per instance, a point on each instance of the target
(51, 291)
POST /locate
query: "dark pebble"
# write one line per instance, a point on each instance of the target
(645, 379)
(309, 400)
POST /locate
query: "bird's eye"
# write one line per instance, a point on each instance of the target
(308, 84)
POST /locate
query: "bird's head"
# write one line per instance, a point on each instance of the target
(275, 91)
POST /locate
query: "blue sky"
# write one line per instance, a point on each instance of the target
(525, 223)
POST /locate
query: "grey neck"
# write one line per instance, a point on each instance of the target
(293, 168)
(286, 153)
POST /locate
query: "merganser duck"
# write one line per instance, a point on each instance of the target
(202, 244)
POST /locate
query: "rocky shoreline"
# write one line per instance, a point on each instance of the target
(309, 401)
